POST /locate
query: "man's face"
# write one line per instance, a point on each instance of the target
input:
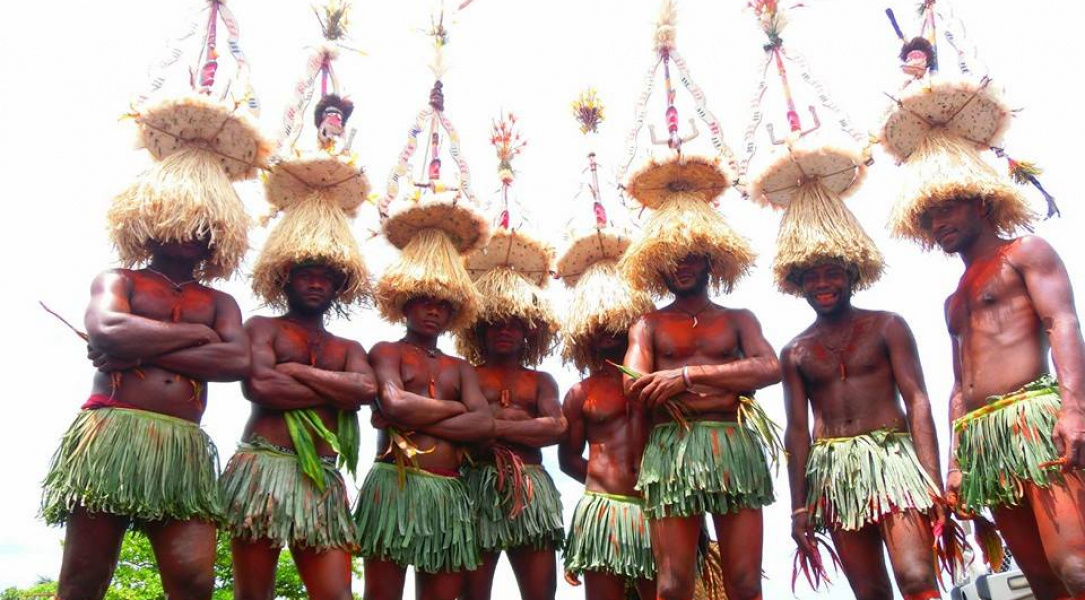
(827, 288)
(504, 338)
(311, 289)
(605, 342)
(954, 224)
(197, 249)
(427, 316)
(689, 276)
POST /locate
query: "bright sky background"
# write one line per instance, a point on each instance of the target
(72, 68)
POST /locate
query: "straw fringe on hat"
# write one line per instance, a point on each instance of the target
(817, 228)
(946, 167)
(685, 224)
(601, 301)
(656, 181)
(183, 197)
(430, 266)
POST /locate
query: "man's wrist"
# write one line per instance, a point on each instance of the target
(686, 378)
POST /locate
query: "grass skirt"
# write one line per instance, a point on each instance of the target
(610, 534)
(267, 496)
(425, 523)
(1001, 446)
(855, 481)
(133, 463)
(539, 525)
(716, 467)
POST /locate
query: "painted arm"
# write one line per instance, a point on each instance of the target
(571, 448)
(229, 359)
(545, 430)
(956, 411)
(908, 374)
(474, 426)
(1049, 288)
(797, 443)
(115, 331)
(266, 385)
(403, 408)
(348, 389)
(639, 356)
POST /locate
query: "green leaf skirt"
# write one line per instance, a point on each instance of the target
(135, 463)
(855, 481)
(610, 534)
(426, 522)
(268, 496)
(716, 467)
(539, 525)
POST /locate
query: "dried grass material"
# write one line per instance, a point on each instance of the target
(449, 212)
(657, 181)
(314, 231)
(601, 302)
(516, 250)
(837, 168)
(817, 228)
(429, 265)
(293, 181)
(588, 248)
(945, 167)
(183, 197)
(228, 130)
(508, 294)
(969, 108)
(683, 225)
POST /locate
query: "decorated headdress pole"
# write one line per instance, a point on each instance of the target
(318, 189)
(436, 222)
(680, 189)
(201, 139)
(807, 175)
(601, 300)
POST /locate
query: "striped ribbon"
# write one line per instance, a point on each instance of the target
(403, 163)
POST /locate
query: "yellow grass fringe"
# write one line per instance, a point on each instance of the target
(818, 228)
(430, 266)
(601, 301)
(945, 167)
(184, 196)
(685, 224)
(507, 294)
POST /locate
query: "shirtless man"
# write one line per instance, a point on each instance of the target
(850, 367)
(601, 417)
(272, 498)
(136, 456)
(1014, 304)
(706, 356)
(528, 526)
(430, 407)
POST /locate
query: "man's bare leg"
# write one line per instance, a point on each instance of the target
(326, 574)
(92, 546)
(255, 562)
(536, 572)
(909, 539)
(604, 586)
(863, 562)
(384, 580)
(1019, 528)
(1061, 526)
(185, 552)
(478, 584)
(438, 586)
(674, 546)
(740, 536)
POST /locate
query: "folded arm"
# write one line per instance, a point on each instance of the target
(474, 426)
(348, 389)
(229, 359)
(402, 408)
(266, 385)
(546, 429)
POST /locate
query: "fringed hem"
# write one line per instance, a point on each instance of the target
(134, 463)
(715, 467)
(610, 534)
(538, 526)
(1002, 446)
(267, 496)
(601, 301)
(855, 481)
(424, 522)
(685, 225)
(507, 294)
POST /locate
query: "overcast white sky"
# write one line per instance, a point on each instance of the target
(72, 68)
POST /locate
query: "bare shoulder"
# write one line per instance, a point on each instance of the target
(574, 398)
(111, 278)
(384, 350)
(741, 316)
(223, 301)
(1032, 251)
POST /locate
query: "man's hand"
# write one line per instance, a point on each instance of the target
(572, 579)
(378, 421)
(953, 493)
(107, 364)
(802, 531)
(1069, 438)
(656, 388)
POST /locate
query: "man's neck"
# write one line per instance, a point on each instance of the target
(844, 314)
(691, 302)
(312, 321)
(177, 271)
(503, 361)
(420, 340)
(986, 244)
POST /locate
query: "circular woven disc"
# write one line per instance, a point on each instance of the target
(835, 169)
(964, 108)
(516, 250)
(191, 121)
(291, 181)
(466, 228)
(587, 249)
(659, 180)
